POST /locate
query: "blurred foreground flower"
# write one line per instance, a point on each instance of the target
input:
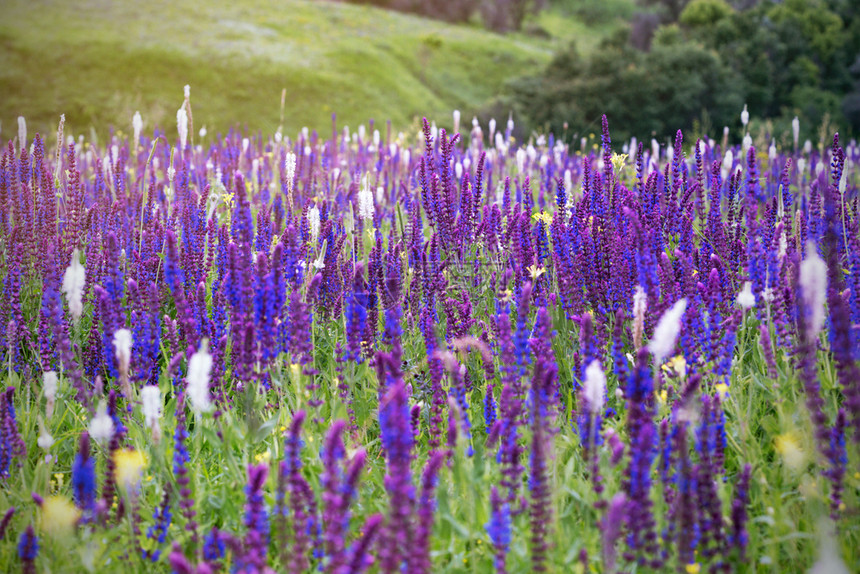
(129, 465)
(59, 516)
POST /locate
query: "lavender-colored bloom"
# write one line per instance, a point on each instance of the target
(162, 517)
(11, 443)
(214, 547)
(339, 489)
(28, 549)
(611, 529)
(178, 562)
(641, 538)
(543, 380)
(84, 478)
(360, 559)
(499, 530)
(738, 538)
(256, 521)
(397, 442)
(181, 458)
(4, 522)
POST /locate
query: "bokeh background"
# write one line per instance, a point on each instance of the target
(652, 65)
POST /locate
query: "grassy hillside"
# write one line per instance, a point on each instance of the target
(98, 61)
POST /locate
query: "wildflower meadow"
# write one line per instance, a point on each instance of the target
(440, 350)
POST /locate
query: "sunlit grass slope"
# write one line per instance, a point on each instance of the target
(99, 61)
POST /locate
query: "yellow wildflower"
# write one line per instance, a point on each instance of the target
(129, 465)
(789, 447)
(618, 160)
(722, 390)
(543, 216)
(677, 365)
(535, 271)
(693, 568)
(59, 516)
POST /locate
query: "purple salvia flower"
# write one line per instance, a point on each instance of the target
(738, 535)
(256, 521)
(11, 443)
(684, 514)
(360, 559)
(397, 536)
(611, 529)
(338, 493)
(839, 460)
(641, 538)
(181, 458)
(84, 479)
(4, 523)
(499, 530)
(419, 560)
(178, 562)
(543, 381)
(28, 549)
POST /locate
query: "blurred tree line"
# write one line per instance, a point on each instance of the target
(694, 64)
(496, 15)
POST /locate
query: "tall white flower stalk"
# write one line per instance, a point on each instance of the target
(746, 299)
(74, 280)
(199, 370)
(101, 426)
(594, 388)
(365, 200)
(813, 287)
(666, 333)
(45, 440)
(122, 343)
(22, 133)
(137, 126)
(50, 383)
(290, 176)
(150, 397)
(182, 126)
(314, 222)
(795, 131)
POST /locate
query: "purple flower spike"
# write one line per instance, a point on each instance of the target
(28, 549)
(499, 530)
(84, 478)
(256, 521)
(360, 559)
(4, 523)
(611, 527)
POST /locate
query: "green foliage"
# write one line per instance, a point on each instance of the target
(705, 12)
(644, 94)
(597, 12)
(781, 59)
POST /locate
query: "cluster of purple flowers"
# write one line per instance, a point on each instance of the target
(550, 262)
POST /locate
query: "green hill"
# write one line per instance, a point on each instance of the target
(98, 61)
